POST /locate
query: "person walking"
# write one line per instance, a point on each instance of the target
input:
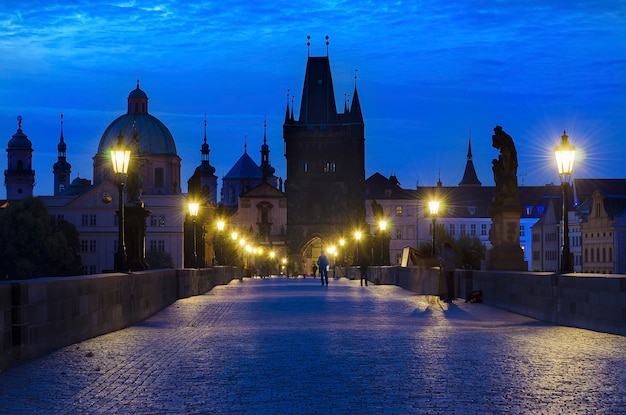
(448, 266)
(322, 263)
(363, 264)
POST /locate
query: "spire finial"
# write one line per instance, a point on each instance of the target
(245, 143)
(19, 122)
(356, 73)
(205, 127)
(61, 127)
(265, 129)
(326, 45)
(308, 46)
(137, 83)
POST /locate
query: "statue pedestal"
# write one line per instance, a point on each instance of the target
(506, 253)
(135, 230)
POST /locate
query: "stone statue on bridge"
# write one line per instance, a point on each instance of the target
(505, 210)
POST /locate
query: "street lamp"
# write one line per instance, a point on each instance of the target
(194, 207)
(382, 225)
(433, 206)
(564, 154)
(357, 236)
(220, 229)
(342, 242)
(120, 157)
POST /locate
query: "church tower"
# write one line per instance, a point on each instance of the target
(19, 178)
(61, 169)
(204, 180)
(325, 153)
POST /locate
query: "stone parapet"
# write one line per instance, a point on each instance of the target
(44, 314)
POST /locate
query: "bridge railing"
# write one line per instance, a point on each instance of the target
(43, 314)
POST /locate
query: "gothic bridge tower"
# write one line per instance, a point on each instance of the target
(325, 154)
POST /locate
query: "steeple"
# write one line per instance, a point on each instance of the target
(266, 167)
(61, 169)
(19, 177)
(204, 181)
(318, 96)
(469, 176)
(355, 111)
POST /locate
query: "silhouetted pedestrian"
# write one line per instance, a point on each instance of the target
(448, 266)
(314, 269)
(323, 264)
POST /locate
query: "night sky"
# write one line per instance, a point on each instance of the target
(430, 74)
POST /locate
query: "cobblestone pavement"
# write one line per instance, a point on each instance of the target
(292, 346)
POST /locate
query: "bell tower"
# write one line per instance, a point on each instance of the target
(19, 177)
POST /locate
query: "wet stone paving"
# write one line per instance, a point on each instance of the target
(293, 346)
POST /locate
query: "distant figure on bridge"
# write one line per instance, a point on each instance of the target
(314, 269)
(448, 266)
(323, 264)
(363, 264)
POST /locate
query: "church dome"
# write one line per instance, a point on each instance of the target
(154, 137)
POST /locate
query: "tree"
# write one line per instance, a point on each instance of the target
(470, 251)
(159, 259)
(33, 244)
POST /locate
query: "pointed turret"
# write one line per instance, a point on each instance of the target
(355, 111)
(61, 169)
(469, 176)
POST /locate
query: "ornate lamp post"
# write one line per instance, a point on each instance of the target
(220, 229)
(120, 158)
(194, 207)
(382, 225)
(433, 207)
(564, 154)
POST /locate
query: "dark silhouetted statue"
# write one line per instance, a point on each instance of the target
(505, 209)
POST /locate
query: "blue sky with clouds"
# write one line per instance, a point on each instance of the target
(430, 73)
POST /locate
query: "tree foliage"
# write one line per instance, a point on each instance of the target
(159, 259)
(33, 244)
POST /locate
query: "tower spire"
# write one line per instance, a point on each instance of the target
(470, 178)
(308, 46)
(327, 45)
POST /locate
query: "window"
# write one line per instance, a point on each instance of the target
(158, 246)
(92, 220)
(398, 210)
(88, 245)
(522, 230)
(472, 229)
(398, 233)
(452, 230)
(158, 177)
(463, 230)
(483, 229)
(84, 220)
(330, 167)
(540, 210)
(157, 220)
(529, 210)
